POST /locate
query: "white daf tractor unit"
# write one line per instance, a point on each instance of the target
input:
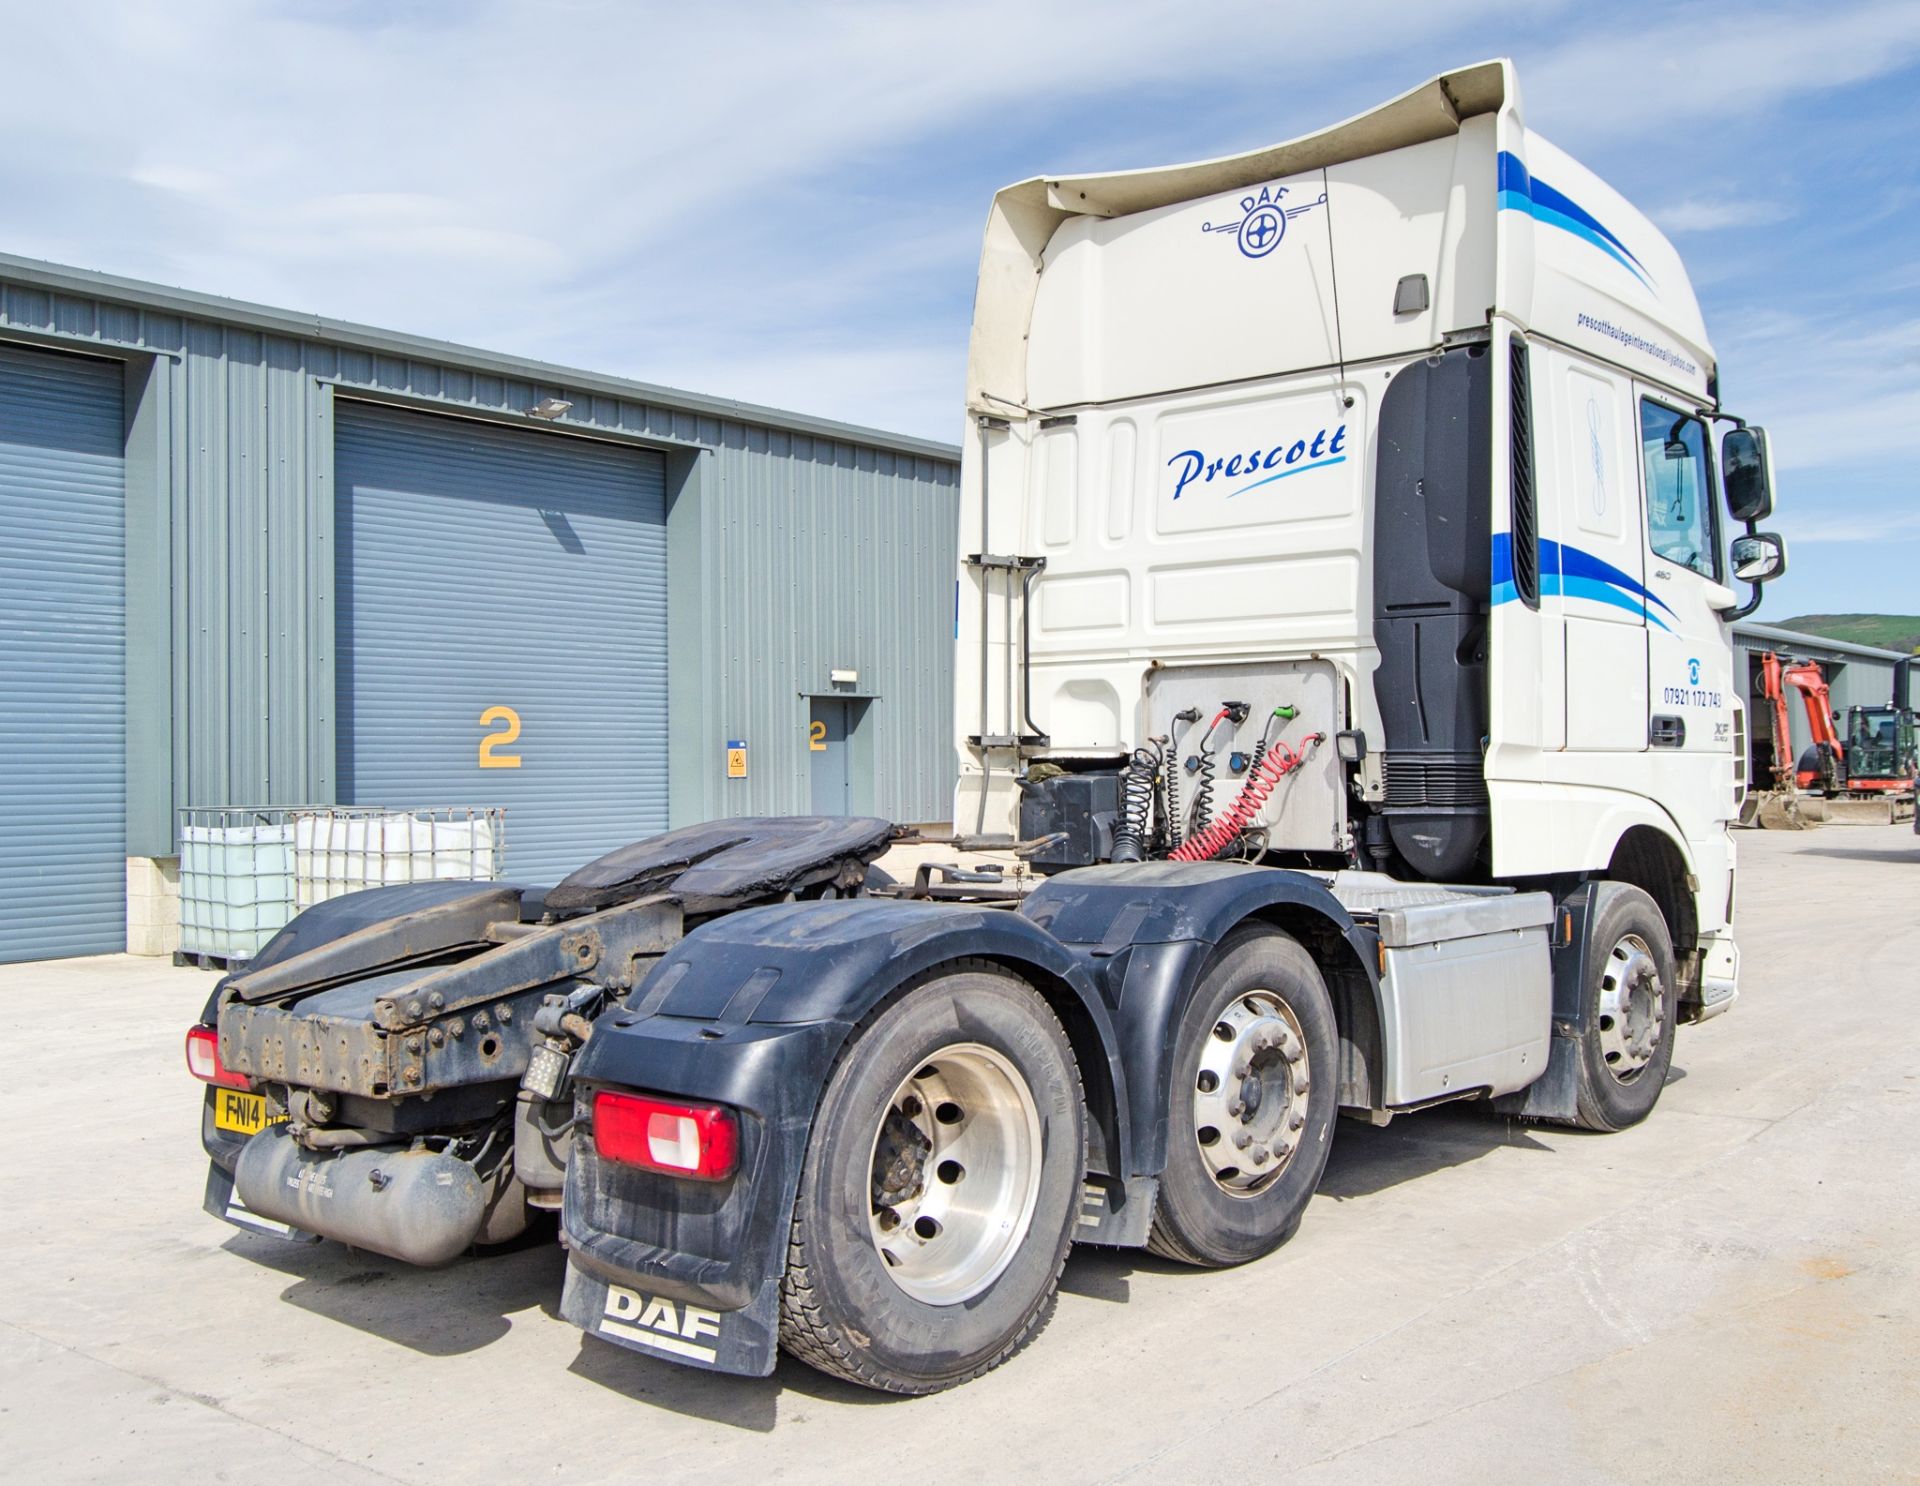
(1345, 680)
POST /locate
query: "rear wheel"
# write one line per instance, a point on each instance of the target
(1251, 1116)
(940, 1187)
(1632, 1011)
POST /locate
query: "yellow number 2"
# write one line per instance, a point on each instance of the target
(817, 738)
(489, 757)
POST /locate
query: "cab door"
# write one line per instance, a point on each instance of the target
(1689, 662)
(1594, 562)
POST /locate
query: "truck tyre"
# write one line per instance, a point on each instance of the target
(1632, 1010)
(1250, 1118)
(940, 1186)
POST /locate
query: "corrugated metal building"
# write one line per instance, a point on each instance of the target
(1856, 675)
(256, 557)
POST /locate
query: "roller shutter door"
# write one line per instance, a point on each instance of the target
(518, 577)
(63, 787)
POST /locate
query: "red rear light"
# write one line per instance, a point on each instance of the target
(697, 1140)
(203, 1060)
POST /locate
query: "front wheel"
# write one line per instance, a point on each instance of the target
(1632, 1011)
(940, 1187)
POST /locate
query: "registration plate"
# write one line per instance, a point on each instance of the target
(242, 1113)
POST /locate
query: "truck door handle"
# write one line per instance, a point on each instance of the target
(1668, 732)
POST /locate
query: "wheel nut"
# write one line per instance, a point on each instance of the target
(1242, 1139)
(1296, 1120)
(1236, 1107)
(1260, 1155)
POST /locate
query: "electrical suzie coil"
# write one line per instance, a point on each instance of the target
(1172, 818)
(1138, 786)
(1200, 808)
(1279, 762)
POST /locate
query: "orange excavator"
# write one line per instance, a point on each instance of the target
(1878, 758)
(1780, 806)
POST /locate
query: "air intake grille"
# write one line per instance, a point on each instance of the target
(1446, 781)
(1525, 521)
(1739, 756)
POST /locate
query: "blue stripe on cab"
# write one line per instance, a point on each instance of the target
(1574, 573)
(1521, 192)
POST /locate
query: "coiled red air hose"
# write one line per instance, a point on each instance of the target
(1265, 778)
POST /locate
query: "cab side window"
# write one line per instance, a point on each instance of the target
(1673, 447)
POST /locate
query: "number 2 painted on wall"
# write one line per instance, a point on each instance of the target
(817, 738)
(491, 743)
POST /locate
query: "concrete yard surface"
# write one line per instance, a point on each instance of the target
(1729, 1292)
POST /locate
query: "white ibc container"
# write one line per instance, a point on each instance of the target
(336, 852)
(236, 887)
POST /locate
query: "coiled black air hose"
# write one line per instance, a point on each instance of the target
(1138, 786)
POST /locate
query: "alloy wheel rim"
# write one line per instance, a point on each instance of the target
(1250, 1093)
(954, 1174)
(1631, 1009)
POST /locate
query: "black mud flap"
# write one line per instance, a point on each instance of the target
(743, 1342)
(223, 1202)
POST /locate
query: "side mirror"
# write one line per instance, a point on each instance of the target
(1746, 474)
(1760, 557)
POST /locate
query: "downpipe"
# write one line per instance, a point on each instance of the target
(419, 1206)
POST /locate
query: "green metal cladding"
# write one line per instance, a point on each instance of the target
(796, 546)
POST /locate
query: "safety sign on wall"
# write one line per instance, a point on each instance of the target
(736, 758)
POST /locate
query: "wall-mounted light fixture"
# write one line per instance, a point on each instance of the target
(549, 408)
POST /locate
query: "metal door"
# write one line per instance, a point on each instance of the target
(63, 790)
(828, 748)
(501, 629)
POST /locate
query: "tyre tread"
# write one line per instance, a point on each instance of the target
(1590, 1110)
(809, 1336)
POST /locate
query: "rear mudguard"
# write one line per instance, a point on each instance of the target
(753, 1010)
(1146, 930)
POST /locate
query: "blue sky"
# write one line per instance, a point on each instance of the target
(783, 203)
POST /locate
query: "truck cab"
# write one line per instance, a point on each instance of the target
(1412, 426)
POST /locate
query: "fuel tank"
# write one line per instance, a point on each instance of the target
(423, 1207)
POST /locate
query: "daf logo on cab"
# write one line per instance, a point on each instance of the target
(1263, 219)
(1295, 457)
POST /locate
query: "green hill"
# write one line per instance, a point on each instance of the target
(1889, 631)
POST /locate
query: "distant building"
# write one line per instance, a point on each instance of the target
(253, 557)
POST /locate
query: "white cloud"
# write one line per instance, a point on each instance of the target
(1875, 526)
(1834, 393)
(1709, 214)
(1638, 78)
